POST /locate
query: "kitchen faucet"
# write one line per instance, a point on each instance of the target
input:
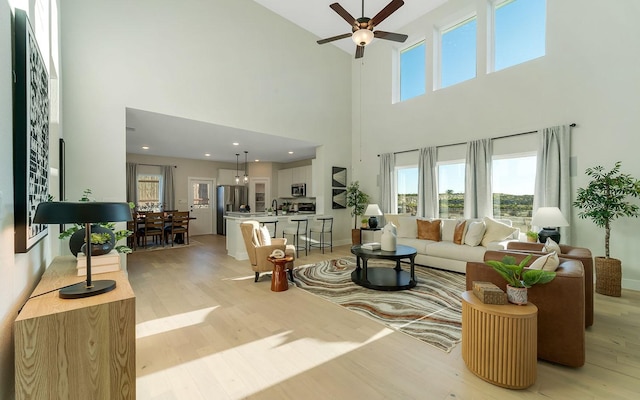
(275, 201)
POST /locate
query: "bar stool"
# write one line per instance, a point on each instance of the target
(324, 227)
(275, 226)
(301, 227)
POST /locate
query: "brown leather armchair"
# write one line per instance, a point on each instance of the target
(561, 337)
(575, 253)
(259, 253)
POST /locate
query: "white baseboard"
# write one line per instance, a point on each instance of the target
(632, 284)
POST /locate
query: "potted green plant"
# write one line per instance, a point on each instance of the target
(603, 200)
(532, 236)
(357, 200)
(518, 279)
(270, 211)
(103, 235)
(364, 222)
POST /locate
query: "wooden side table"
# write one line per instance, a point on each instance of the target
(499, 342)
(279, 276)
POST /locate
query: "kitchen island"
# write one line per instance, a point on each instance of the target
(235, 242)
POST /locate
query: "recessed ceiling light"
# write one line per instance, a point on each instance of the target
(236, 143)
(145, 147)
(291, 152)
(207, 155)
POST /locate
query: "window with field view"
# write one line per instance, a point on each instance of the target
(513, 182)
(407, 189)
(451, 189)
(149, 193)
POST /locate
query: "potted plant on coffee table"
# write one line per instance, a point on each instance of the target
(604, 200)
(518, 279)
(357, 200)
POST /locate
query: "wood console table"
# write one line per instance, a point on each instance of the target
(76, 348)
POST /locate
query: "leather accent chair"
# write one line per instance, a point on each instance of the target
(258, 253)
(575, 253)
(561, 337)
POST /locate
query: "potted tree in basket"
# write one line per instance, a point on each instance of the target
(603, 200)
(357, 200)
(518, 279)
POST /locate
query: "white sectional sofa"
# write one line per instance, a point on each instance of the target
(445, 254)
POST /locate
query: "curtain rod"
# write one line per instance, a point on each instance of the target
(573, 125)
(158, 165)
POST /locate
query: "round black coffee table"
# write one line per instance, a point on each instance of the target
(384, 278)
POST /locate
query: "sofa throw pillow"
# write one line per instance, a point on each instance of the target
(458, 232)
(429, 230)
(447, 230)
(550, 245)
(407, 227)
(495, 231)
(475, 232)
(548, 262)
(265, 236)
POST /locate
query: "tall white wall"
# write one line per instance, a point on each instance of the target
(229, 62)
(589, 76)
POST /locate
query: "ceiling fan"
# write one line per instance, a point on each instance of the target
(362, 29)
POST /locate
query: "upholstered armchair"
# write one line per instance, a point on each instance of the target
(259, 252)
(574, 253)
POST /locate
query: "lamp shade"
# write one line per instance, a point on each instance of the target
(373, 209)
(362, 37)
(81, 212)
(549, 217)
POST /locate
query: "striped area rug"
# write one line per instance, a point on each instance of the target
(430, 312)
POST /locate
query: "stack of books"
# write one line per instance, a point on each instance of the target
(99, 264)
(371, 246)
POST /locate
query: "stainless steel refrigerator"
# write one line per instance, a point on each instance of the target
(229, 198)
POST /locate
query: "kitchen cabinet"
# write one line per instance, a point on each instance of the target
(289, 176)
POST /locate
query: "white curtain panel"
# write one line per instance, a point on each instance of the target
(428, 183)
(388, 190)
(168, 192)
(132, 183)
(478, 201)
(553, 179)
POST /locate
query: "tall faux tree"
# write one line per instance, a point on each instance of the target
(357, 200)
(606, 198)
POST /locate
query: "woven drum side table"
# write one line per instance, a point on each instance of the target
(499, 342)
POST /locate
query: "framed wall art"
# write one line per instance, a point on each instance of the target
(339, 199)
(339, 177)
(30, 135)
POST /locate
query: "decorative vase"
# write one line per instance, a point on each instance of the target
(77, 239)
(98, 249)
(388, 241)
(517, 295)
(531, 240)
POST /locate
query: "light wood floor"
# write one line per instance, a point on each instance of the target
(205, 330)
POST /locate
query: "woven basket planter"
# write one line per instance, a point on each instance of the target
(608, 276)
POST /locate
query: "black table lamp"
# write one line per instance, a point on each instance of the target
(549, 218)
(84, 212)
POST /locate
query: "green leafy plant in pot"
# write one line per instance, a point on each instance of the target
(357, 200)
(532, 236)
(603, 200)
(518, 278)
(104, 236)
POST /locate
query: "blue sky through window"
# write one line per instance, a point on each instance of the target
(519, 32)
(413, 71)
(458, 53)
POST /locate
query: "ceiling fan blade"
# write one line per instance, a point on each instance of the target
(385, 12)
(343, 13)
(331, 39)
(396, 37)
(359, 51)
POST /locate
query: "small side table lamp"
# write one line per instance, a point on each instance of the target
(549, 218)
(373, 211)
(84, 212)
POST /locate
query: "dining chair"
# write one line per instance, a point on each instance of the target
(153, 226)
(178, 226)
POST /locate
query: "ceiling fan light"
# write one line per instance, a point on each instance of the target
(362, 37)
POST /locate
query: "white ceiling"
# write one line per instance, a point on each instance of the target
(184, 138)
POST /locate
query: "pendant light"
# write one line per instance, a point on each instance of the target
(246, 166)
(237, 176)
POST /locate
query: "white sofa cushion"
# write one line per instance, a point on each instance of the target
(448, 226)
(407, 227)
(419, 244)
(455, 251)
(495, 231)
(475, 233)
(548, 262)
